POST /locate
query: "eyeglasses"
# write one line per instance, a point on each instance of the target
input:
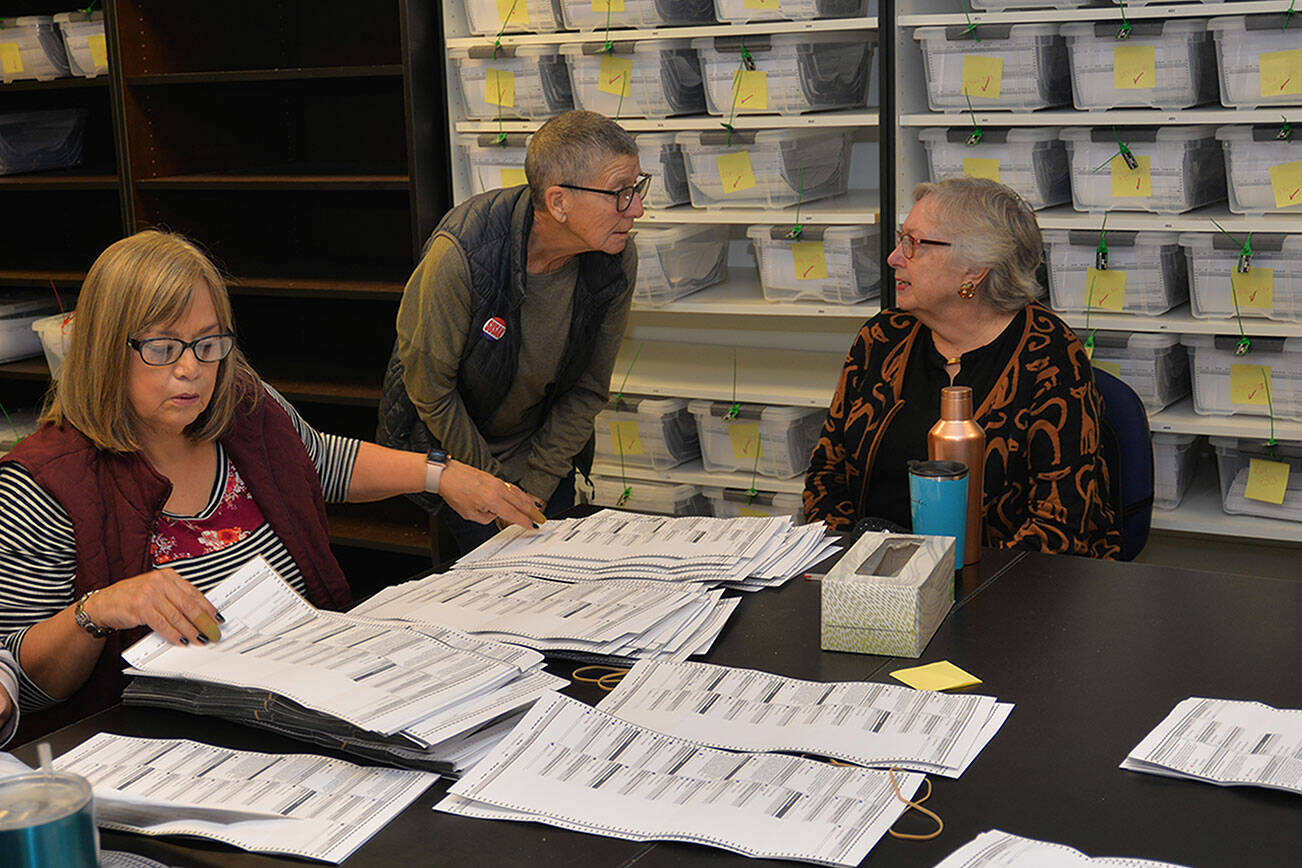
(624, 195)
(165, 351)
(908, 244)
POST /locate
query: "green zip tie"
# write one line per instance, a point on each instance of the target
(977, 134)
(1288, 15)
(1123, 151)
(747, 63)
(1285, 132)
(625, 86)
(628, 489)
(619, 396)
(1124, 32)
(736, 407)
(497, 40)
(1270, 406)
(971, 25)
(608, 46)
(86, 11)
(1245, 254)
(1100, 264)
(754, 472)
(18, 438)
(795, 231)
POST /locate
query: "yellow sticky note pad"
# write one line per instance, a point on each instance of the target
(1267, 480)
(756, 513)
(11, 59)
(1281, 72)
(750, 90)
(745, 439)
(761, 4)
(1128, 182)
(1134, 67)
(1105, 290)
(982, 76)
(615, 74)
(1286, 182)
(941, 675)
(513, 177)
(513, 12)
(981, 167)
(627, 439)
(607, 5)
(499, 87)
(1113, 368)
(810, 260)
(735, 172)
(1250, 384)
(98, 49)
(1254, 290)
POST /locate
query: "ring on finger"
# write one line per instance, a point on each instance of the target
(508, 485)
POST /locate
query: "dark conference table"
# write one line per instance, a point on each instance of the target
(1093, 654)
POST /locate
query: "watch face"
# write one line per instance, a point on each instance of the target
(437, 456)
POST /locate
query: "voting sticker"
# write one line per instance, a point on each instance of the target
(1105, 290)
(495, 328)
(981, 167)
(1281, 72)
(1250, 384)
(1113, 368)
(735, 172)
(1132, 183)
(750, 90)
(628, 441)
(607, 5)
(1286, 184)
(615, 75)
(513, 177)
(499, 87)
(98, 49)
(1134, 67)
(1267, 480)
(809, 259)
(982, 76)
(1254, 290)
(745, 440)
(11, 59)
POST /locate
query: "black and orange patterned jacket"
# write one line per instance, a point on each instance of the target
(1046, 484)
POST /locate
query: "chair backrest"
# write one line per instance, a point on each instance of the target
(1128, 450)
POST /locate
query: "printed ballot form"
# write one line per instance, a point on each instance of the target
(996, 849)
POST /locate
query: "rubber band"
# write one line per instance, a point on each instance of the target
(917, 806)
(608, 680)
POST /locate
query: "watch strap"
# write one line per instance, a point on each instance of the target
(85, 622)
(436, 461)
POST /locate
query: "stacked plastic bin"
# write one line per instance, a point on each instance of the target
(755, 438)
(33, 49)
(735, 502)
(494, 161)
(491, 17)
(1145, 271)
(1225, 284)
(1031, 161)
(787, 73)
(1165, 170)
(1160, 64)
(1234, 456)
(676, 261)
(38, 141)
(19, 309)
(1018, 67)
(615, 14)
(765, 169)
(1264, 382)
(512, 81)
(660, 155)
(1155, 366)
(84, 42)
(640, 495)
(658, 433)
(1263, 165)
(653, 78)
(832, 264)
(1175, 459)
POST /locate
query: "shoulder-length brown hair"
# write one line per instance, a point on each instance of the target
(139, 283)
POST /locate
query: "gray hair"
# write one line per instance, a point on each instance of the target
(570, 148)
(991, 226)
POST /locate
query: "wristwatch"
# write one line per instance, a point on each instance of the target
(84, 622)
(436, 461)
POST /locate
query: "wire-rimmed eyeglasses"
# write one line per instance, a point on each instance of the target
(165, 351)
(624, 195)
(908, 244)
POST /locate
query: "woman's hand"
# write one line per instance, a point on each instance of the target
(479, 496)
(161, 600)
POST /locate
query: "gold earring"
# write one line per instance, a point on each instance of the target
(966, 289)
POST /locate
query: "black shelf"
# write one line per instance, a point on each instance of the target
(77, 83)
(240, 76)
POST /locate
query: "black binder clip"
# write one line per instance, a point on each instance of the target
(1101, 257)
(1131, 162)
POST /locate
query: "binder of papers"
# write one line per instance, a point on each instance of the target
(570, 765)
(862, 722)
(1226, 742)
(996, 849)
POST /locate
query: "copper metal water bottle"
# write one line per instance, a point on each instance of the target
(957, 437)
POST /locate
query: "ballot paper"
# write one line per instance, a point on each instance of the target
(297, 804)
(570, 765)
(1227, 742)
(996, 849)
(862, 722)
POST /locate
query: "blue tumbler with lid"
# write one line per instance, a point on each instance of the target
(938, 500)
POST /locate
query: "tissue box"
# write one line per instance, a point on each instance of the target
(888, 594)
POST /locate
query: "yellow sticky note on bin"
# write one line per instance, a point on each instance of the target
(1134, 67)
(1286, 182)
(752, 513)
(745, 439)
(810, 260)
(1267, 480)
(981, 167)
(98, 49)
(941, 675)
(499, 87)
(615, 74)
(1281, 72)
(1105, 290)
(983, 77)
(1254, 290)
(513, 177)
(627, 439)
(607, 5)
(513, 12)
(1250, 384)
(735, 172)
(11, 59)
(761, 4)
(750, 90)
(1128, 182)
(1113, 368)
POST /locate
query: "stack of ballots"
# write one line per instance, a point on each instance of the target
(414, 696)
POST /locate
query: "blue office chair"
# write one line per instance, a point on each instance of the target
(1128, 450)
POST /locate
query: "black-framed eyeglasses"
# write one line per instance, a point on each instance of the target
(165, 351)
(908, 244)
(624, 195)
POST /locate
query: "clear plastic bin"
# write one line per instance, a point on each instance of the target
(651, 432)
(793, 72)
(14, 426)
(599, 14)
(1265, 381)
(522, 81)
(1145, 273)
(1177, 169)
(674, 261)
(18, 311)
(41, 140)
(1011, 66)
(1032, 161)
(1271, 290)
(1161, 64)
(1001, 5)
(55, 333)
(845, 270)
(1253, 68)
(494, 163)
(83, 40)
(663, 498)
(1234, 460)
(1264, 172)
(785, 437)
(1156, 366)
(660, 155)
(519, 16)
(737, 502)
(653, 78)
(742, 11)
(1175, 458)
(763, 169)
(31, 48)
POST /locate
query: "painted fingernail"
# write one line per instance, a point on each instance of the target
(535, 525)
(220, 619)
(201, 639)
(185, 641)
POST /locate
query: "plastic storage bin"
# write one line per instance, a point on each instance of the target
(832, 264)
(664, 498)
(792, 72)
(1177, 169)
(1000, 5)
(487, 17)
(1155, 366)
(522, 81)
(598, 14)
(1162, 64)
(1263, 172)
(1272, 289)
(18, 311)
(742, 11)
(1011, 66)
(674, 261)
(1265, 381)
(653, 78)
(660, 155)
(735, 502)
(763, 169)
(495, 164)
(31, 48)
(1145, 273)
(1255, 59)
(785, 437)
(55, 333)
(1175, 458)
(1031, 161)
(649, 432)
(1234, 461)
(41, 140)
(84, 43)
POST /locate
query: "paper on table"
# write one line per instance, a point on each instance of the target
(941, 675)
(996, 849)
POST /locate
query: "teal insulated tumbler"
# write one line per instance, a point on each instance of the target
(938, 500)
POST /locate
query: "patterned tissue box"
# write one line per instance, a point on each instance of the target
(888, 594)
